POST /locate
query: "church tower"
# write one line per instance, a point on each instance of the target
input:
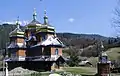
(103, 66)
(45, 29)
(30, 31)
(52, 46)
(16, 49)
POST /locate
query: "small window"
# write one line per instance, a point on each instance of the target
(104, 59)
(43, 38)
(56, 51)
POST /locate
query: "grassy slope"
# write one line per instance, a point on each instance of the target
(112, 53)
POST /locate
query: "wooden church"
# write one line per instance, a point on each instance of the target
(36, 48)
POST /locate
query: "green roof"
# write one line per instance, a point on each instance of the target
(33, 23)
(16, 32)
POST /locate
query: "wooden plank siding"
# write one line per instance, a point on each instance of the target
(20, 40)
(21, 53)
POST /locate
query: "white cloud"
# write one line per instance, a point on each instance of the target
(22, 23)
(71, 20)
(8, 22)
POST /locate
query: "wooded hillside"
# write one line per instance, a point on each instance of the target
(75, 41)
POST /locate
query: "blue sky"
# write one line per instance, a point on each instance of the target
(76, 16)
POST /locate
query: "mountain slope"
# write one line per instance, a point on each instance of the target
(75, 41)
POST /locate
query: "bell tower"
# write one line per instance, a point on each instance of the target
(16, 49)
(45, 29)
(30, 31)
(103, 66)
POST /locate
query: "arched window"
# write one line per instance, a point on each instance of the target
(56, 51)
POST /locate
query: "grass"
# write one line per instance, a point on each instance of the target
(39, 74)
(81, 70)
(93, 60)
(73, 70)
(43, 73)
(113, 53)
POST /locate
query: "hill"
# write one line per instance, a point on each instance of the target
(74, 41)
(87, 44)
(113, 55)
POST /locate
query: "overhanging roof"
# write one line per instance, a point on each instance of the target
(50, 41)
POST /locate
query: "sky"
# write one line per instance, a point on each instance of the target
(74, 16)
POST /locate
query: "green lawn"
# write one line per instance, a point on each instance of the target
(81, 70)
(43, 73)
(73, 70)
(93, 60)
(113, 53)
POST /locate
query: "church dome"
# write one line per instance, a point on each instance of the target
(17, 31)
(46, 27)
(34, 22)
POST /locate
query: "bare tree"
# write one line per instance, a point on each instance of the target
(116, 19)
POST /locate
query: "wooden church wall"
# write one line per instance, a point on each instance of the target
(53, 49)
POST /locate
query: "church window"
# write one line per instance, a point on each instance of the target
(43, 38)
(104, 60)
(56, 51)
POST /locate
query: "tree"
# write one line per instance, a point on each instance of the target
(74, 57)
(109, 41)
(116, 19)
